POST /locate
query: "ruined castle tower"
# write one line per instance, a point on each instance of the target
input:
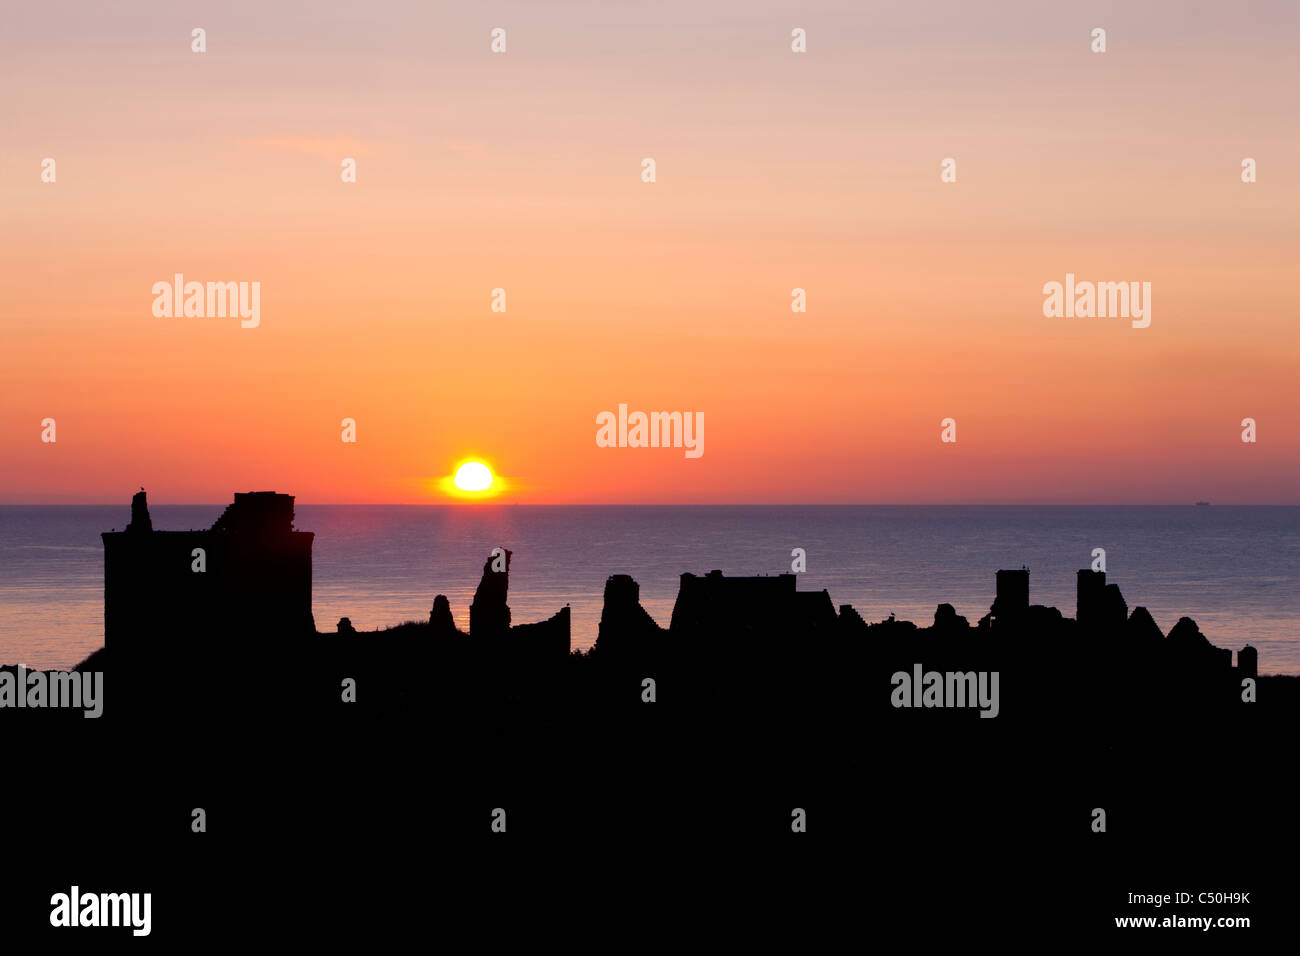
(249, 575)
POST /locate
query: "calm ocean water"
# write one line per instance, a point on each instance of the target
(1233, 569)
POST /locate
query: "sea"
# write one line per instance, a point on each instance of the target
(1232, 569)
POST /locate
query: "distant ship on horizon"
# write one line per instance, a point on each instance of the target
(1202, 504)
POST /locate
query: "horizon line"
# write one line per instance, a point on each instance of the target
(652, 504)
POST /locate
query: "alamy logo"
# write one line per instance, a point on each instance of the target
(656, 430)
(1103, 300)
(217, 300)
(83, 690)
(949, 689)
(102, 909)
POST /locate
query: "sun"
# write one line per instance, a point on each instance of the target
(472, 479)
(473, 476)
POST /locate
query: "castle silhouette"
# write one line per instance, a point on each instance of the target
(255, 574)
(755, 698)
(252, 592)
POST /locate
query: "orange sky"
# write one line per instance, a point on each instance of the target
(775, 170)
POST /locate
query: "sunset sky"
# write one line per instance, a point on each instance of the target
(775, 170)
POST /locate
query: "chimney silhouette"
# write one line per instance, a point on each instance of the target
(1091, 597)
(140, 521)
(1012, 597)
(1248, 661)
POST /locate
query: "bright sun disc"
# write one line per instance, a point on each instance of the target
(473, 476)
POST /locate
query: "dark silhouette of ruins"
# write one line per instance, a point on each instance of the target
(755, 697)
(250, 572)
(750, 672)
(244, 586)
